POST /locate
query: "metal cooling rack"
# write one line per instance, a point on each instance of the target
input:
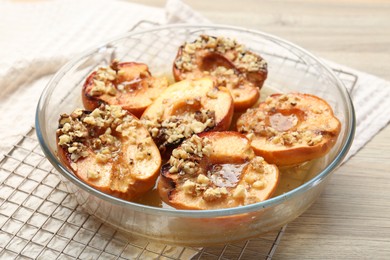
(40, 219)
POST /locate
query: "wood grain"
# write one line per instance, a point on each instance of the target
(351, 219)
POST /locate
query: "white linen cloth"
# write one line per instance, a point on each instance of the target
(37, 38)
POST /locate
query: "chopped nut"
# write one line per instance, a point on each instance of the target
(277, 139)
(173, 169)
(72, 149)
(92, 174)
(197, 127)
(212, 194)
(250, 178)
(175, 128)
(189, 187)
(66, 127)
(239, 192)
(257, 164)
(207, 149)
(260, 184)
(89, 120)
(241, 58)
(76, 113)
(184, 159)
(179, 153)
(202, 179)
(64, 139)
(96, 112)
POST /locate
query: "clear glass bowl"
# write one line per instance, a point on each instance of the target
(291, 69)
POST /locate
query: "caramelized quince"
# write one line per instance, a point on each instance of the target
(216, 170)
(110, 150)
(186, 108)
(290, 129)
(127, 84)
(229, 63)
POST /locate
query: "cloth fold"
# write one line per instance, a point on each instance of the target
(370, 97)
(32, 49)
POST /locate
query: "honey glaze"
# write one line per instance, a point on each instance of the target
(225, 175)
(282, 122)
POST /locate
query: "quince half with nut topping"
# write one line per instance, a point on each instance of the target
(186, 108)
(216, 170)
(288, 129)
(127, 84)
(109, 149)
(229, 63)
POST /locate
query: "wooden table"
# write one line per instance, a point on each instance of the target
(351, 219)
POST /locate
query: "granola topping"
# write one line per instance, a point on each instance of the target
(240, 192)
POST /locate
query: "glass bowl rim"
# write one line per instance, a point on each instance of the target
(197, 213)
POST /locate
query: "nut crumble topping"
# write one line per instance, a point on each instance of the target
(176, 128)
(100, 132)
(104, 80)
(225, 60)
(196, 181)
(242, 58)
(185, 159)
(255, 173)
(112, 79)
(256, 122)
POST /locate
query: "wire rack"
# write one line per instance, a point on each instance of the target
(40, 219)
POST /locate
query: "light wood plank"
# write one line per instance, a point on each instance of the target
(351, 219)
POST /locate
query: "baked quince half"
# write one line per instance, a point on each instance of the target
(292, 128)
(186, 108)
(109, 149)
(229, 63)
(216, 170)
(127, 84)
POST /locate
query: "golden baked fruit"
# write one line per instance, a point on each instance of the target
(185, 108)
(229, 63)
(290, 128)
(110, 150)
(127, 84)
(216, 170)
